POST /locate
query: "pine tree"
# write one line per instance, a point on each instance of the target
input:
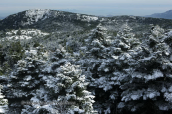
(97, 41)
(99, 70)
(125, 39)
(24, 80)
(146, 83)
(72, 89)
(63, 89)
(111, 70)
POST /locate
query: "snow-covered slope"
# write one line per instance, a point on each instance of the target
(35, 15)
(39, 18)
(24, 34)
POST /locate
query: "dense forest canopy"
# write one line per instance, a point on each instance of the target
(54, 62)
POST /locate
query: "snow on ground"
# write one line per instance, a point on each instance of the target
(32, 32)
(86, 18)
(36, 14)
(19, 37)
(89, 18)
(25, 34)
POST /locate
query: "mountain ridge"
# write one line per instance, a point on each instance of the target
(30, 18)
(55, 20)
(165, 15)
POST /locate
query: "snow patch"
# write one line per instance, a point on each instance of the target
(25, 34)
(35, 15)
(88, 18)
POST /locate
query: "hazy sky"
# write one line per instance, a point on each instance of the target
(95, 7)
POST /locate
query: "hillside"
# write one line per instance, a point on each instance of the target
(52, 20)
(47, 20)
(165, 15)
(60, 62)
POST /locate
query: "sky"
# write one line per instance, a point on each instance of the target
(92, 7)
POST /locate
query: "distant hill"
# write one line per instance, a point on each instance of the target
(54, 20)
(47, 20)
(165, 15)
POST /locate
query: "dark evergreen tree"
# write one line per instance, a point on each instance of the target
(37, 86)
(23, 81)
(146, 83)
(98, 70)
(64, 90)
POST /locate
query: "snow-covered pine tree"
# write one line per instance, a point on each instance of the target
(111, 69)
(99, 70)
(97, 41)
(42, 98)
(24, 80)
(107, 68)
(72, 89)
(125, 39)
(146, 83)
(64, 90)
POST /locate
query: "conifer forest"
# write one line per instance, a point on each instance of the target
(57, 62)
